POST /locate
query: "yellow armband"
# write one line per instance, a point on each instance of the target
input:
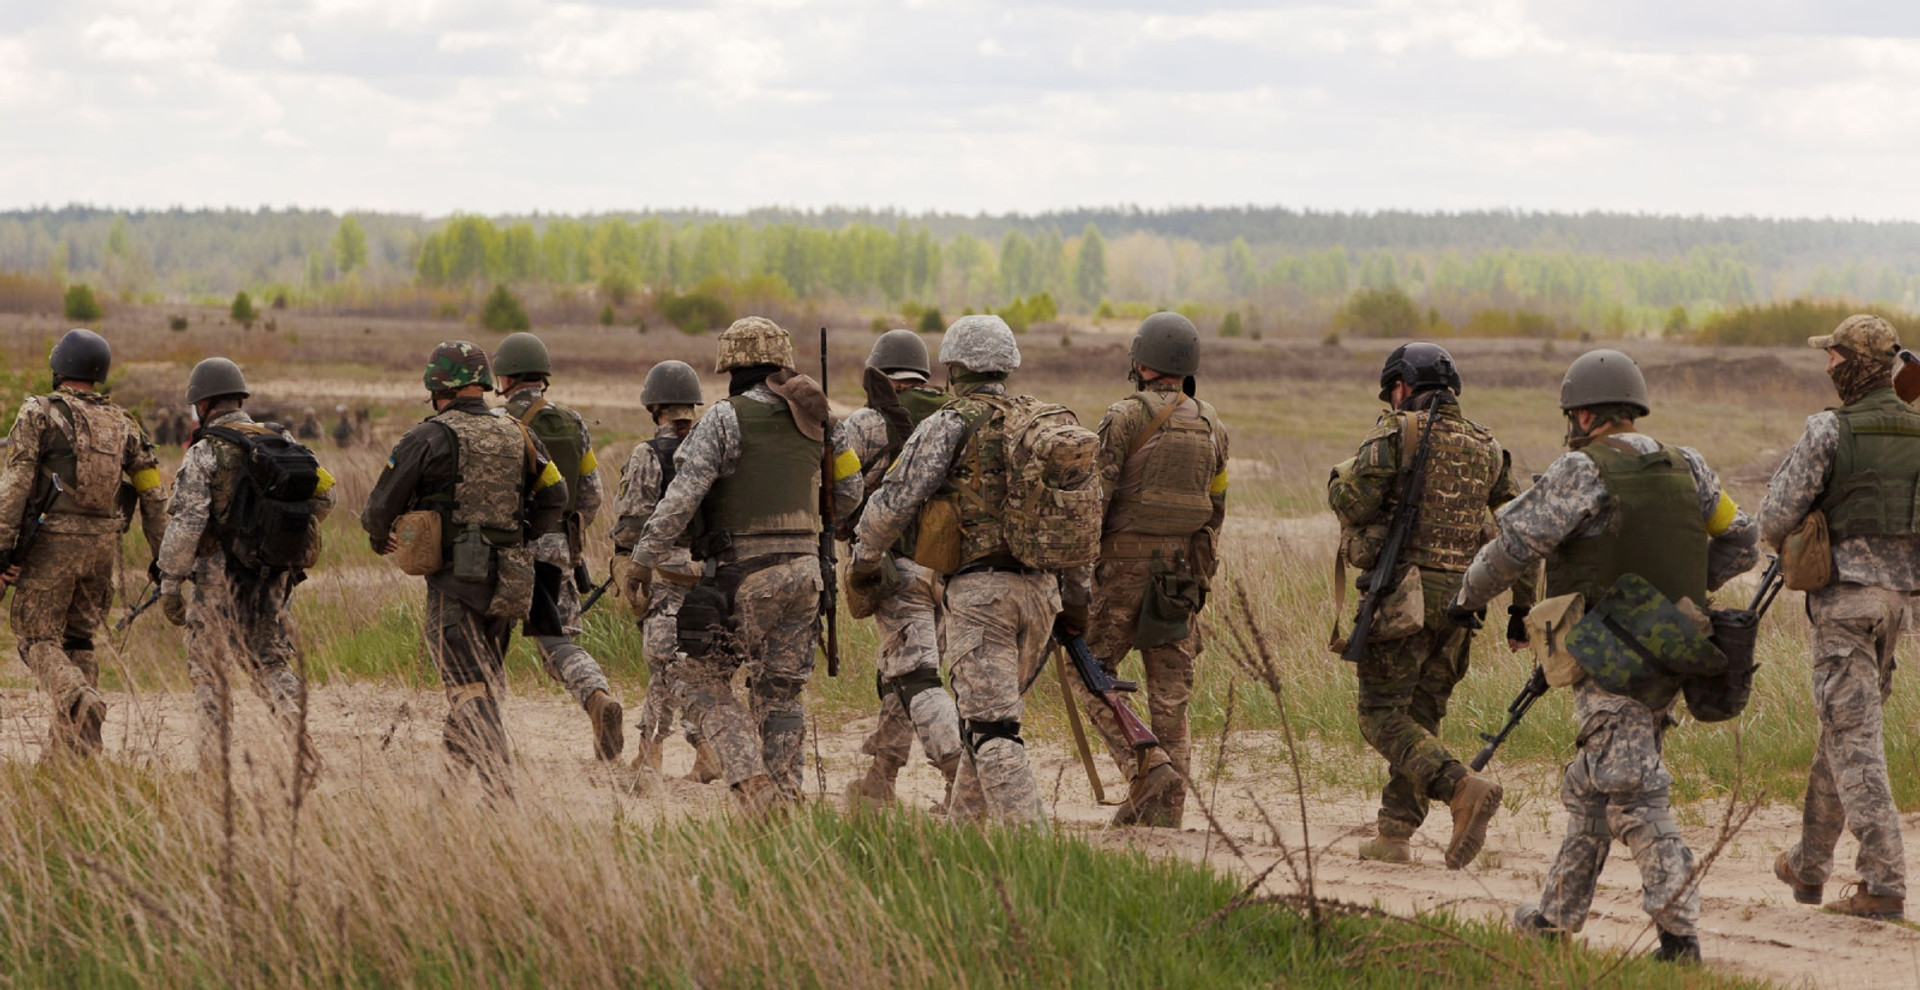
(549, 477)
(146, 480)
(1219, 486)
(846, 465)
(1722, 518)
(588, 462)
(325, 483)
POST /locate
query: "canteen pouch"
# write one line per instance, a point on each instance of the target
(513, 591)
(1547, 627)
(471, 554)
(937, 545)
(418, 539)
(1806, 555)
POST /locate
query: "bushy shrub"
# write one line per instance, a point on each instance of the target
(502, 311)
(931, 321)
(1230, 324)
(242, 309)
(1387, 312)
(80, 304)
(1789, 324)
(695, 312)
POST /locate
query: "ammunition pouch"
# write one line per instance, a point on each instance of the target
(977, 734)
(1723, 696)
(1174, 596)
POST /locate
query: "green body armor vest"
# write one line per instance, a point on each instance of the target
(1871, 487)
(1655, 529)
(920, 401)
(775, 490)
(560, 431)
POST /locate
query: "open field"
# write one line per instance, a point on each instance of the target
(1293, 408)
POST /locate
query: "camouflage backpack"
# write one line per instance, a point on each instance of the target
(1054, 510)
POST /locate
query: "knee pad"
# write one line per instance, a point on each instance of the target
(75, 644)
(779, 723)
(910, 685)
(977, 734)
(776, 687)
(702, 624)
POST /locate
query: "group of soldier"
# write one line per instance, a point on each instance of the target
(718, 544)
(1621, 507)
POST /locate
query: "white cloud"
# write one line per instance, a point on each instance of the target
(287, 48)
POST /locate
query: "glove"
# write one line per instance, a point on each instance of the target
(864, 572)
(153, 571)
(173, 606)
(1074, 615)
(1517, 623)
(1464, 617)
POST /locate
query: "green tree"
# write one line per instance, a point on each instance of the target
(1379, 313)
(349, 245)
(1090, 266)
(242, 309)
(1019, 264)
(1241, 270)
(502, 311)
(1678, 324)
(930, 321)
(80, 305)
(1230, 324)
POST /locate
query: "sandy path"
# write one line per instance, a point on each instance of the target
(1750, 923)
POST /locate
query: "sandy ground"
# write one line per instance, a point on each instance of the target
(1750, 923)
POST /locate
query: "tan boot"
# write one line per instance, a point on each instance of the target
(1143, 791)
(759, 798)
(647, 754)
(609, 734)
(89, 714)
(1860, 904)
(1474, 801)
(951, 771)
(876, 788)
(1804, 893)
(1388, 849)
(706, 764)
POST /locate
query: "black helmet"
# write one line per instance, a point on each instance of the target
(81, 355)
(1422, 366)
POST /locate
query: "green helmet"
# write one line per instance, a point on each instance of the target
(754, 340)
(900, 351)
(456, 364)
(520, 355)
(671, 383)
(1599, 378)
(81, 355)
(1167, 343)
(215, 377)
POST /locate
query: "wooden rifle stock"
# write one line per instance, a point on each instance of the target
(1102, 685)
(829, 567)
(1906, 377)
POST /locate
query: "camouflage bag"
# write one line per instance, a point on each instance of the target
(1634, 642)
(513, 586)
(1054, 508)
(1722, 696)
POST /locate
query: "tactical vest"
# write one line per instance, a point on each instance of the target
(920, 401)
(85, 450)
(977, 480)
(1655, 529)
(775, 489)
(1871, 487)
(228, 462)
(491, 461)
(1165, 488)
(561, 432)
(1462, 467)
(664, 447)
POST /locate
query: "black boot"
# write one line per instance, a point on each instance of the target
(1678, 948)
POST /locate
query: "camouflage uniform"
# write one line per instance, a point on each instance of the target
(1617, 785)
(566, 661)
(640, 490)
(66, 577)
(775, 607)
(908, 624)
(236, 618)
(433, 466)
(1406, 683)
(1179, 527)
(1857, 622)
(998, 626)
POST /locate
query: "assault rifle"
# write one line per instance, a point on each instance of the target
(829, 566)
(1381, 581)
(593, 598)
(1516, 710)
(38, 503)
(1102, 685)
(133, 614)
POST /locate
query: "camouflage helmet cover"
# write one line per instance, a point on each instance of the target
(1167, 343)
(215, 377)
(522, 354)
(1604, 377)
(753, 340)
(901, 354)
(981, 343)
(456, 364)
(671, 383)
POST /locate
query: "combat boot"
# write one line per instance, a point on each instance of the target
(89, 714)
(648, 753)
(1143, 791)
(706, 764)
(951, 771)
(759, 798)
(609, 734)
(1386, 848)
(1528, 920)
(1167, 810)
(1475, 799)
(1805, 893)
(1860, 904)
(876, 788)
(1677, 948)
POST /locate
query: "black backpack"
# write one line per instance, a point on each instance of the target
(269, 522)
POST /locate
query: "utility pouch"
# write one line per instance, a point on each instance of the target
(937, 545)
(513, 591)
(1403, 612)
(1806, 555)
(544, 617)
(1636, 642)
(471, 554)
(417, 535)
(1173, 597)
(1547, 627)
(1722, 696)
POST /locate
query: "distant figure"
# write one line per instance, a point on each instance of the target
(184, 427)
(363, 426)
(163, 430)
(343, 430)
(309, 428)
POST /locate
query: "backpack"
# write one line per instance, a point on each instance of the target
(1054, 509)
(269, 523)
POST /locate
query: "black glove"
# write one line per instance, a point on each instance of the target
(6, 559)
(1464, 617)
(1517, 623)
(153, 571)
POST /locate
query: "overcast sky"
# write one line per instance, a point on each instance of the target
(1685, 106)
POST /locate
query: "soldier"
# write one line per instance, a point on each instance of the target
(524, 367)
(343, 431)
(1163, 470)
(309, 429)
(239, 613)
(671, 394)
(907, 676)
(751, 467)
(1406, 680)
(70, 455)
(1000, 613)
(493, 492)
(1859, 465)
(1618, 503)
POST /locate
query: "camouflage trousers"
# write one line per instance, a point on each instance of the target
(909, 666)
(1404, 687)
(666, 681)
(469, 648)
(774, 612)
(999, 627)
(1855, 631)
(567, 662)
(238, 622)
(1616, 788)
(65, 588)
(1119, 589)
